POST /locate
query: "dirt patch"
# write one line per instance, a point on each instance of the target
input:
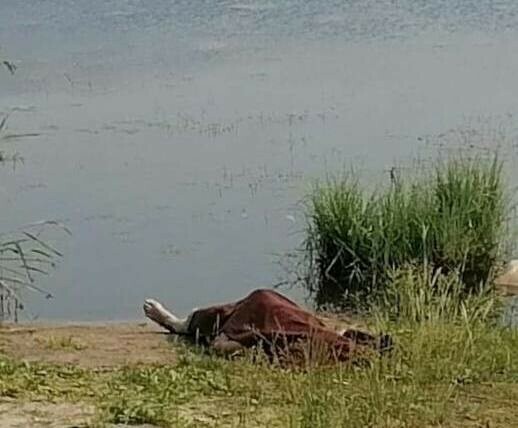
(48, 415)
(35, 414)
(104, 345)
(91, 346)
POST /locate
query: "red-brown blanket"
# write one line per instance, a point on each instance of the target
(279, 325)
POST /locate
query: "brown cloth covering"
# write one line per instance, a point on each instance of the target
(279, 325)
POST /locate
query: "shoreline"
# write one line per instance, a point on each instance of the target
(105, 344)
(87, 345)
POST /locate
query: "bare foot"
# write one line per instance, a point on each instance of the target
(157, 313)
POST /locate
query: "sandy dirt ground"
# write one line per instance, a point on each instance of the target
(98, 346)
(105, 345)
(88, 345)
(49, 415)
(37, 414)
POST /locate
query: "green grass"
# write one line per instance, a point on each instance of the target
(436, 377)
(25, 254)
(410, 252)
(63, 343)
(421, 293)
(452, 366)
(453, 217)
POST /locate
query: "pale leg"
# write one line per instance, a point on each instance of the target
(157, 313)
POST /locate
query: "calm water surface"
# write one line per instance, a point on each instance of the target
(178, 137)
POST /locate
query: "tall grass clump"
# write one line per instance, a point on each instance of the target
(24, 254)
(453, 218)
(416, 295)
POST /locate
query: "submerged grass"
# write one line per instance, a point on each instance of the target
(453, 218)
(24, 254)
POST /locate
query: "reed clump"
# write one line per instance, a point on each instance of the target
(453, 217)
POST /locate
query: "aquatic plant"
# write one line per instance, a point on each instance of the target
(24, 254)
(452, 217)
(9, 65)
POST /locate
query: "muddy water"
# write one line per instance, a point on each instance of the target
(178, 137)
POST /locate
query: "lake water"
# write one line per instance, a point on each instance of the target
(177, 138)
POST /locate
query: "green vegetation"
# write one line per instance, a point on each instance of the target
(452, 368)
(420, 254)
(63, 343)
(453, 218)
(23, 255)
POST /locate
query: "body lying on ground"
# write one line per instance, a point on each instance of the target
(267, 320)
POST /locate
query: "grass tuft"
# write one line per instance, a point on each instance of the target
(458, 372)
(453, 218)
